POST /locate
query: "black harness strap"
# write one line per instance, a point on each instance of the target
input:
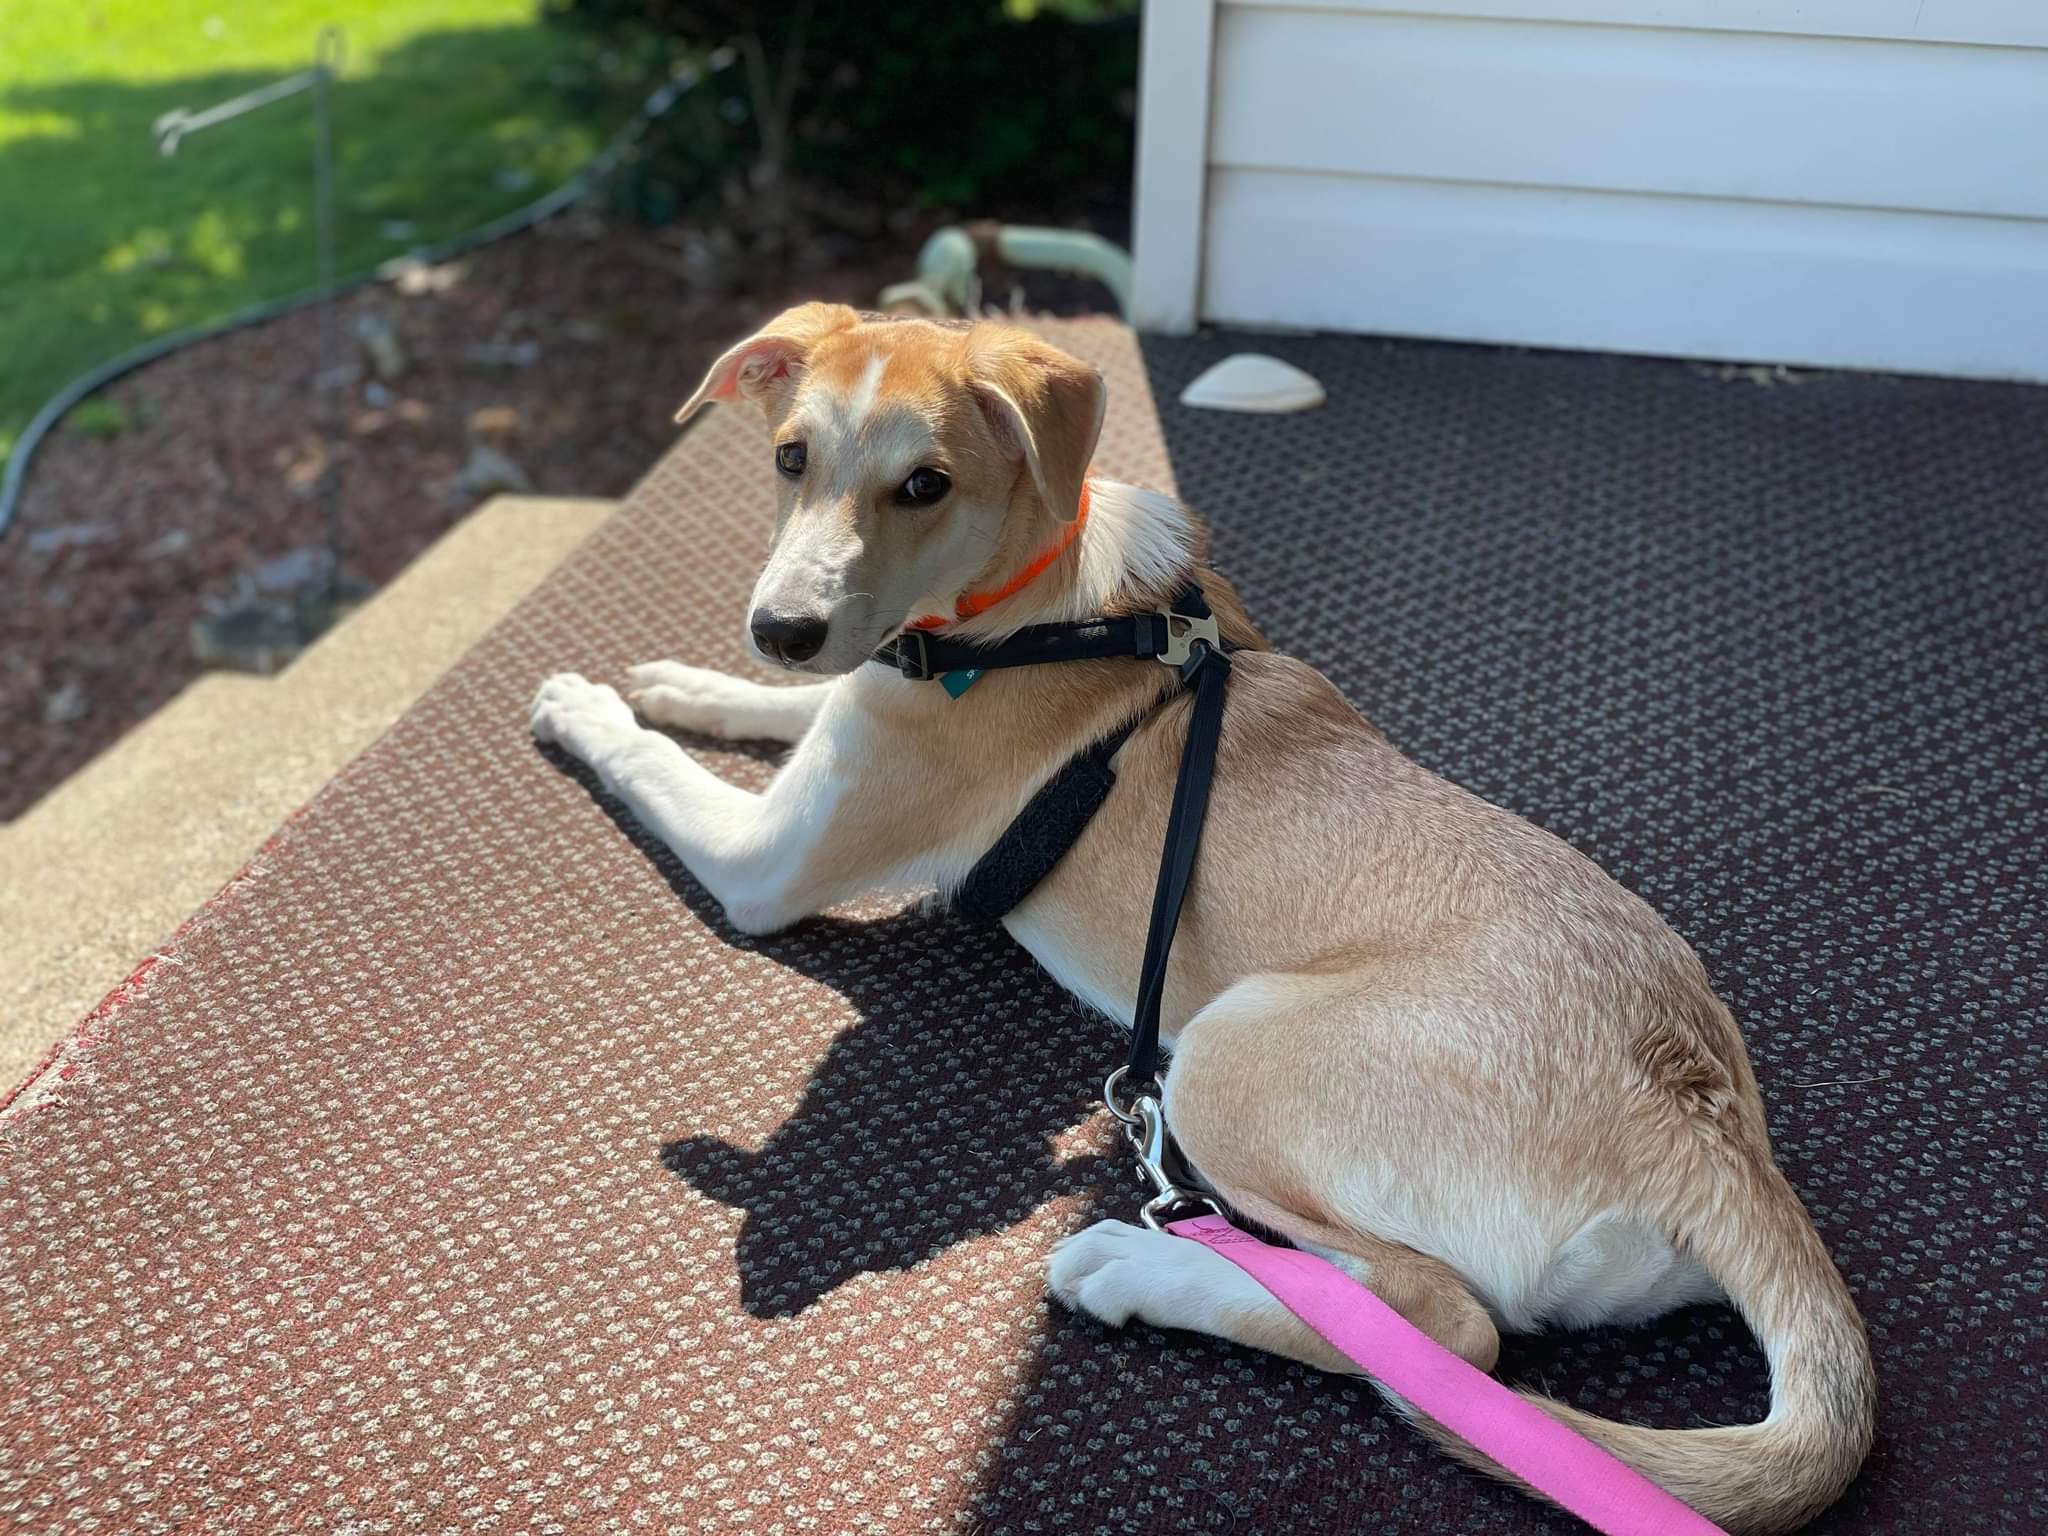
(1053, 820)
(1050, 824)
(918, 655)
(1210, 671)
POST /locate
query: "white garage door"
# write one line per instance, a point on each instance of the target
(1859, 183)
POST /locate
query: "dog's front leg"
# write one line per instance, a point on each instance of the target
(754, 853)
(718, 704)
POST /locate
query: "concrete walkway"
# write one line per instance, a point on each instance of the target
(105, 867)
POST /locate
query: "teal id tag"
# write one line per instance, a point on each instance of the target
(957, 683)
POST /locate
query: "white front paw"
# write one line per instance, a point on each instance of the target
(580, 716)
(685, 698)
(1111, 1270)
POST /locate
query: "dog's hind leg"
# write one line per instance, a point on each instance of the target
(1229, 1107)
(699, 699)
(1118, 1272)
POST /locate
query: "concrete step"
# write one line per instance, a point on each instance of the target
(103, 868)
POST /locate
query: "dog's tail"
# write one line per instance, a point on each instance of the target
(1757, 1242)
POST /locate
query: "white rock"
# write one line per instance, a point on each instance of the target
(49, 541)
(1252, 381)
(379, 339)
(488, 471)
(306, 566)
(174, 542)
(502, 354)
(67, 704)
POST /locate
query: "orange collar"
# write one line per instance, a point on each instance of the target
(968, 604)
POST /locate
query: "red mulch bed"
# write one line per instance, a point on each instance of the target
(566, 349)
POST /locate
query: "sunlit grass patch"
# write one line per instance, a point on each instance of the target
(448, 113)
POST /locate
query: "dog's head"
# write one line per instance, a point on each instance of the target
(913, 458)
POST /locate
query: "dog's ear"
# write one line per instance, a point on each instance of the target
(764, 367)
(1044, 407)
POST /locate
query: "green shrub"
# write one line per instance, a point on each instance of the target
(960, 104)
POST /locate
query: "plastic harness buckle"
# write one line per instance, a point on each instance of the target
(919, 665)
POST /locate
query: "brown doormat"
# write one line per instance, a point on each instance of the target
(459, 1170)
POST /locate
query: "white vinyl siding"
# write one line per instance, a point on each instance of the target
(1742, 179)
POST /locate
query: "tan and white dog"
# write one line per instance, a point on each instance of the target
(1410, 1031)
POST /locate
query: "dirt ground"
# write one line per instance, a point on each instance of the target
(561, 352)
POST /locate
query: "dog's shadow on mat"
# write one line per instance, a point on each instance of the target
(933, 1121)
(930, 1122)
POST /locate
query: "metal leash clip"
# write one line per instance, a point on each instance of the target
(1144, 1123)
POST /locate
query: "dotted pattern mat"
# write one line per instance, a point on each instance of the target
(459, 1170)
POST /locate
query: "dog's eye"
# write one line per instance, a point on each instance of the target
(789, 458)
(924, 487)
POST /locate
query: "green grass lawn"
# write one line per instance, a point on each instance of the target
(448, 113)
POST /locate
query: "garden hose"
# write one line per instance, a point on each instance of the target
(658, 104)
(948, 280)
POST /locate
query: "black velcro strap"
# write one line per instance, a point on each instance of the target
(1050, 824)
(1209, 670)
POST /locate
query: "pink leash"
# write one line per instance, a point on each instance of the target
(1511, 1431)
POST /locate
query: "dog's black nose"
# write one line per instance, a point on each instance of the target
(788, 637)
